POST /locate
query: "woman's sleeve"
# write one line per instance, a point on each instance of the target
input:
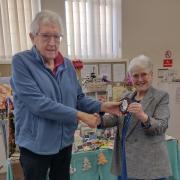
(159, 121)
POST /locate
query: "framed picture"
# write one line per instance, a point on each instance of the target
(105, 70)
(114, 71)
(119, 72)
(88, 69)
(163, 73)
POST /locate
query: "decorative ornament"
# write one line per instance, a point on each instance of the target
(86, 164)
(102, 159)
(72, 170)
(78, 64)
(105, 78)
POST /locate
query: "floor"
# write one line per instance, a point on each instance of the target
(3, 176)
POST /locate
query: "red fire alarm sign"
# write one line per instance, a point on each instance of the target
(168, 61)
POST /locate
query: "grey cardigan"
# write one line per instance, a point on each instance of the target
(146, 151)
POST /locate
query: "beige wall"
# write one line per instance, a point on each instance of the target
(151, 27)
(5, 69)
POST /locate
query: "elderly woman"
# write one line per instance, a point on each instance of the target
(140, 150)
(48, 102)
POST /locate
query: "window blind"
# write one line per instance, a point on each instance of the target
(93, 28)
(15, 19)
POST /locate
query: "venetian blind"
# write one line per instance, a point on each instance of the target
(93, 28)
(15, 19)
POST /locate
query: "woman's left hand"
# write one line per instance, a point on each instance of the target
(137, 110)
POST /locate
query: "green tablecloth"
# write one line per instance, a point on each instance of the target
(97, 171)
(102, 172)
(174, 155)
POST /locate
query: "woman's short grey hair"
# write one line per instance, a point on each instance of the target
(45, 17)
(140, 61)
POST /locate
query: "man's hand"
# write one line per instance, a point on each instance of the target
(111, 107)
(92, 120)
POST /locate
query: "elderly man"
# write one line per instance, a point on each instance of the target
(48, 102)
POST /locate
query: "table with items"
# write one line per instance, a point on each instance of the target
(96, 164)
(98, 171)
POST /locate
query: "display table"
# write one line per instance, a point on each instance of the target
(102, 172)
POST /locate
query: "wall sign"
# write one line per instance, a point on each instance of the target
(168, 61)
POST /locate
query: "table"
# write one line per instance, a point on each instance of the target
(102, 172)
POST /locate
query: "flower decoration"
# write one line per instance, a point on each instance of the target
(128, 82)
(78, 64)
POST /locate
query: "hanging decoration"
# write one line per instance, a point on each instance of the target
(72, 170)
(86, 164)
(102, 159)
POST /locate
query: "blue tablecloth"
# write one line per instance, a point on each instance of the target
(102, 172)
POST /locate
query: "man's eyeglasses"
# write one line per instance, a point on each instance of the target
(47, 37)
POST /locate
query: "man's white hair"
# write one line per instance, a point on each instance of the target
(45, 17)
